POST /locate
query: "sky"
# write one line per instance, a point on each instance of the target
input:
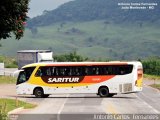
(38, 6)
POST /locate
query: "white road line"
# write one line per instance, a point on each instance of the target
(148, 97)
(156, 111)
(61, 108)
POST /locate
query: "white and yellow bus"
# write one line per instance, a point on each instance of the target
(102, 78)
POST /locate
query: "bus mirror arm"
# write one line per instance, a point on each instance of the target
(16, 73)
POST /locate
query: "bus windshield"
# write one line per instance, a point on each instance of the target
(24, 75)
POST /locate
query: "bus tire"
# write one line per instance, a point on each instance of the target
(38, 92)
(103, 91)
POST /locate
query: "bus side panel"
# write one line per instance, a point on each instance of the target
(25, 88)
(118, 84)
(114, 86)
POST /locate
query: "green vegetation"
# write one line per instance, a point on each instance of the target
(74, 57)
(90, 10)
(13, 16)
(9, 62)
(7, 105)
(152, 66)
(100, 30)
(3, 112)
(11, 104)
(152, 77)
(71, 57)
(152, 70)
(93, 39)
(157, 86)
(7, 80)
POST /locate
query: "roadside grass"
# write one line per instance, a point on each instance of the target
(7, 80)
(157, 86)
(11, 104)
(152, 77)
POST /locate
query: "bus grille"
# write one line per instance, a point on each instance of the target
(120, 88)
(125, 87)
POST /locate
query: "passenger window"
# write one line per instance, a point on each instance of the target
(76, 71)
(39, 72)
(28, 72)
(95, 71)
(44, 71)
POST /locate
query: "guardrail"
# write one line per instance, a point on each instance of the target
(6, 71)
(10, 71)
(1, 68)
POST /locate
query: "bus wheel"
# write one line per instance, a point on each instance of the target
(38, 92)
(103, 91)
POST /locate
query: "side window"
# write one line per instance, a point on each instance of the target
(76, 71)
(94, 70)
(61, 71)
(122, 70)
(28, 72)
(91, 70)
(116, 69)
(110, 70)
(39, 72)
(54, 71)
(86, 71)
(49, 71)
(80, 70)
(106, 70)
(69, 71)
(44, 71)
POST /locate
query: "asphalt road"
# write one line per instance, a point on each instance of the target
(91, 106)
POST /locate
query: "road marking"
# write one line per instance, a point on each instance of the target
(156, 111)
(61, 108)
(110, 108)
(146, 96)
(113, 110)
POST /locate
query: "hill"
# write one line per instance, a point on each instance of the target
(95, 29)
(94, 39)
(89, 10)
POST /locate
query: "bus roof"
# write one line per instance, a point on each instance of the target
(80, 63)
(33, 51)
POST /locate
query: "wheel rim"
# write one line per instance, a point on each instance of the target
(39, 93)
(103, 92)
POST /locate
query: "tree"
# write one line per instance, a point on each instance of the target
(151, 66)
(71, 57)
(13, 17)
